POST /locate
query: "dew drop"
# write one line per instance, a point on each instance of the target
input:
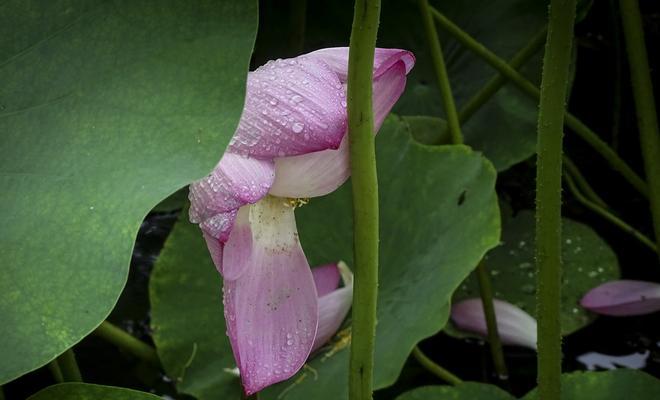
(297, 127)
(296, 98)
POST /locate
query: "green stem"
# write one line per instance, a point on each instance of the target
(441, 73)
(457, 138)
(69, 366)
(647, 118)
(494, 341)
(556, 63)
(582, 183)
(570, 179)
(365, 196)
(496, 82)
(531, 90)
(434, 368)
(54, 368)
(2, 393)
(127, 342)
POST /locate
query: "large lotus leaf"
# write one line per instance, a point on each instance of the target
(464, 391)
(439, 216)
(587, 262)
(85, 391)
(609, 385)
(106, 107)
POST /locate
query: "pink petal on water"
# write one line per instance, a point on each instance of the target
(320, 173)
(623, 298)
(271, 309)
(515, 326)
(235, 181)
(292, 107)
(333, 307)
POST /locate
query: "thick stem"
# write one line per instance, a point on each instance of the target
(434, 368)
(552, 106)
(570, 179)
(128, 343)
(441, 73)
(457, 138)
(365, 196)
(531, 90)
(499, 80)
(647, 118)
(69, 366)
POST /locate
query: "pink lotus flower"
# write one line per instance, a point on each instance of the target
(514, 325)
(290, 143)
(623, 298)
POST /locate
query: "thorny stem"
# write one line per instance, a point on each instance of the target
(570, 179)
(441, 73)
(647, 118)
(499, 80)
(556, 61)
(456, 135)
(434, 368)
(127, 342)
(531, 90)
(365, 196)
(494, 341)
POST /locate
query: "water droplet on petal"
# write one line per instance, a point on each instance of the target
(297, 127)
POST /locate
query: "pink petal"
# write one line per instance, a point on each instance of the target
(320, 173)
(337, 59)
(271, 309)
(326, 278)
(215, 247)
(219, 225)
(515, 326)
(333, 308)
(623, 298)
(235, 181)
(292, 107)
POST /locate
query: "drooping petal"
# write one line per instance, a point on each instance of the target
(337, 59)
(215, 247)
(326, 278)
(320, 173)
(292, 107)
(235, 181)
(333, 307)
(271, 309)
(623, 298)
(515, 326)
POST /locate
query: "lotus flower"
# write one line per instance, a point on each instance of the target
(623, 298)
(291, 143)
(514, 325)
